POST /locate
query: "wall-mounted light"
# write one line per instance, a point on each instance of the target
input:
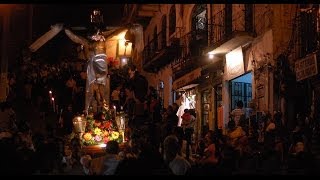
(211, 56)
(123, 61)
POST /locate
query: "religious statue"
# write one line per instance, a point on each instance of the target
(97, 69)
(94, 50)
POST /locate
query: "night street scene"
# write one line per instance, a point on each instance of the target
(160, 89)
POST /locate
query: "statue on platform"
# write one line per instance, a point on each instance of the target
(97, 68)
(94, 50)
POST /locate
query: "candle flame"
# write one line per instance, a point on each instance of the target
(52, 99)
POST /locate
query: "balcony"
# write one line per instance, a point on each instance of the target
(306, 34)
(191, 58)
(159, 52)
(228, 31)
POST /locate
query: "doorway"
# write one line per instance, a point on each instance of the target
(241, 90)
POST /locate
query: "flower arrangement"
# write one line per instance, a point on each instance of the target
(101, 129)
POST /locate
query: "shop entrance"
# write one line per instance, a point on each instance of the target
(241, 90)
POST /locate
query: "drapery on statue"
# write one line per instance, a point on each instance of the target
(97, 68)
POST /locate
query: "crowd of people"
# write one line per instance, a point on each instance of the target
(156, 144)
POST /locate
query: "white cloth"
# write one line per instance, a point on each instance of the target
(180, 112)
(184, 105)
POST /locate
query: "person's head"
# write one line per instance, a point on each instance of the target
(175, 106)
(209, 137)
(69, 107)
(112, 147)
(171, 148)
(131, 70)
(169, 109)
(240, 104)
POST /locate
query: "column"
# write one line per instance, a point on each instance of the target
(5, 18)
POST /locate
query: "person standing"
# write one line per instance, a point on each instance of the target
(115, 97)
(139, 86)
(67, 120)
(188, 122)
(238, 113)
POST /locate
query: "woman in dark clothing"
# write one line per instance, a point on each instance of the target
(67, 120)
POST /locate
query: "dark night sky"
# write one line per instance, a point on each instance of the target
(71, 15)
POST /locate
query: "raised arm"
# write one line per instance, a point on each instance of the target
(77, 39)
(55, 29)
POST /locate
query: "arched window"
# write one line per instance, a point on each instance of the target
(172, 20)
(199, 17)
(199, 28)
(164, 31)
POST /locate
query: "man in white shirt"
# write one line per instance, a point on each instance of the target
(237, 113)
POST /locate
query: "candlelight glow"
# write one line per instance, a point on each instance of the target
(52, 98)
(102, 145)
(50, 92)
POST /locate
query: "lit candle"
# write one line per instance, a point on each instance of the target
(53, 104)
(115, 110)
(50, 96)
(123, 138)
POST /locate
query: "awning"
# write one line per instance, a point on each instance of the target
(186, 79)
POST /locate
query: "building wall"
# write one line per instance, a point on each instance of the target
(273, 26)
(14, 17)
(283, 16)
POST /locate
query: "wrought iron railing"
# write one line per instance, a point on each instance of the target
(223, 25)
(160, 43)
(154, 46)
(305, 37)
(192, 45)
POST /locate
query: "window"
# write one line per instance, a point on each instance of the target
(199, 29)
(164, 32)
(172, 20)
(199, 17)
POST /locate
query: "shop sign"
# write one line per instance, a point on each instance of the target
(306, 67)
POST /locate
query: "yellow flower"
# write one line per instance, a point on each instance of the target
(115, 135)
(97, 131)
(87, 136)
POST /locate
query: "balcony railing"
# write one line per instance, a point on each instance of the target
(192, 45)
(223, 25)
(161, 51)
(154, 46)
(305, 34)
